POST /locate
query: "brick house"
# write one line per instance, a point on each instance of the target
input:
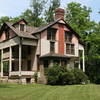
(25, 49)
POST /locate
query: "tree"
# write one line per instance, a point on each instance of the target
(49, 13)
(78, 17)
(37, 8)
(93, 57)
(34, 15)
(4, 19)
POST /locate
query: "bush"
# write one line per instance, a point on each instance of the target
(35, 76)
(58, 75)
(67, 78)
(52, 74)
(80, 76)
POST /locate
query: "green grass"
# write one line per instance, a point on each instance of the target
(45, 92)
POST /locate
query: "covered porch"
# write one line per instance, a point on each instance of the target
(19, 59)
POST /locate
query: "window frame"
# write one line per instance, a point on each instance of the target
(70, 49)
(52, 47)
(51, 34)
(22, 27)
(68, 36)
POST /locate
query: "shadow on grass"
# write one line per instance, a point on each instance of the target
(2, 85)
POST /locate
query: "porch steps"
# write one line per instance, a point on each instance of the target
(4, 79)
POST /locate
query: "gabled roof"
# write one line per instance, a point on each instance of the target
(19, 33)
(20, 21)
(33, 30)
(40, 29)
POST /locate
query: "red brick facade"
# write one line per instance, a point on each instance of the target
(61, 39)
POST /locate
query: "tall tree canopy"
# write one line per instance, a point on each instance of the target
(49, 13)
(78, 17)
(4, 19)
(33, 15)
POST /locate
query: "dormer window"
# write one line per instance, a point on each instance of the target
(22, 27)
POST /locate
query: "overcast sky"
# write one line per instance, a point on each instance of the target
(14, 8)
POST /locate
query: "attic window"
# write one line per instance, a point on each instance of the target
(22, 27)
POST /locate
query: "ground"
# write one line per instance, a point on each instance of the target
(46, 92)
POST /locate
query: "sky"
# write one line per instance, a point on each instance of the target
(13, 8)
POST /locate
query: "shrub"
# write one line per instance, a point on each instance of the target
(80, 76)
(52, 74)
(58, 75)
(35, 76)
(67, 78)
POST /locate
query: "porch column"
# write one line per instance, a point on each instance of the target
(10, 60)
(83, 56)
(79, 61)
(79, 65)
(2, 63)
(51, 63)
(42, 76)
(20, 57)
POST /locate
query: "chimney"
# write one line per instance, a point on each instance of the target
(59, 13)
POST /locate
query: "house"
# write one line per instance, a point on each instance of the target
(25, 49)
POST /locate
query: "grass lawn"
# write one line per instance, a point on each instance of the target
(45, 92)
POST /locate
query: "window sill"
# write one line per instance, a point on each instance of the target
(52, 40)
(69, 42)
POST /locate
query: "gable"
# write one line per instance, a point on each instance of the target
(6, 33)
(54, 24)
(22, 21)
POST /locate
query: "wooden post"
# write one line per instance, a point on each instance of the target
(20, 57)
(2, 63)
(83, 55)
(51, 63)
(10, 60)
(79, 65)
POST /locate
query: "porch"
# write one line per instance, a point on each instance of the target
(17, 60)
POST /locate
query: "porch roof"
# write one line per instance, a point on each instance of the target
(54, 55)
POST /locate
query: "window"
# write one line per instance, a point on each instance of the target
(56, 62)
(52, 47)
(22, 27)
(13, 66)
(68, 36)
(38, 63)
(51, 34)
(67, 48)
(46, 63)
(29, 65)
(70, 49)
(63, 62)
(29, 50)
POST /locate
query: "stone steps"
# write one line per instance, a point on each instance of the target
(4, 79)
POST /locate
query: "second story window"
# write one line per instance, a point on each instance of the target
(51, 34)
(68, 36)
(52, 47)
(22, 27)
(70, 49)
